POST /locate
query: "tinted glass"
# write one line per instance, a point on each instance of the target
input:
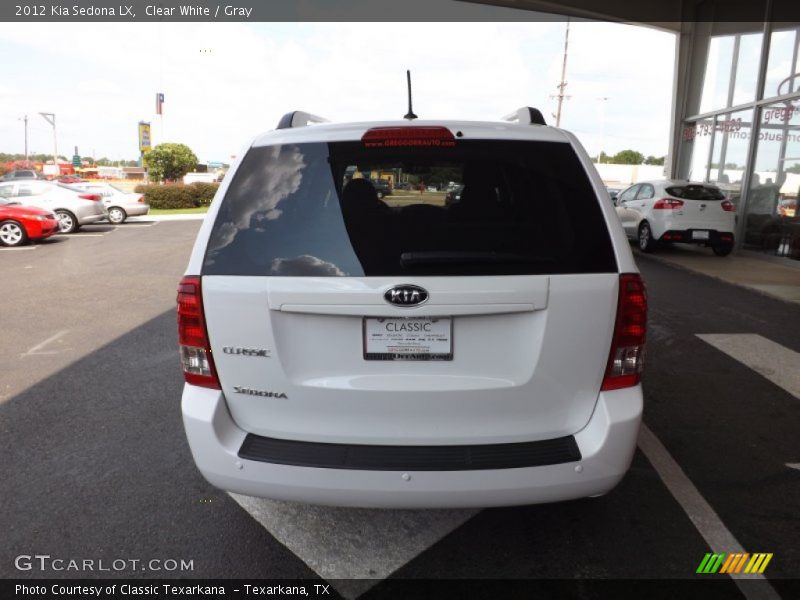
(696, 192)
(313, 210)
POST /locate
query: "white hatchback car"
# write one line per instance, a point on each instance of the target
(677, 211)
(346, 350)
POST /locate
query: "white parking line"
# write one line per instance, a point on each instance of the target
(37, 349)
(752, 585)
(352, 548)
(20, 248)
(77, 235)
(767, 358)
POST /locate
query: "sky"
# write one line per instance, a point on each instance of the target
(226, 82)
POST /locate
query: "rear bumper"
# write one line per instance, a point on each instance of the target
(606, 446)
(687, 236)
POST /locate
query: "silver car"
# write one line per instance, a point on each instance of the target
(119, 203)
(73, 206)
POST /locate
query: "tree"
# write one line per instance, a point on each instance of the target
(170, 161)
(652, 160)
(628, 157)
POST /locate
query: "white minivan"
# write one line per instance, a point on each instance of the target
(406, 352)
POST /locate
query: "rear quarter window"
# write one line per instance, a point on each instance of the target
(310, 210)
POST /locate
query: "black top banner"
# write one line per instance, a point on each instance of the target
(668, 12)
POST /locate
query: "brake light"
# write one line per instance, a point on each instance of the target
(626, 359)
(728, 206)
(409, 137)
(668, 204)
(93, 197)
(198, 364)
(140, 200)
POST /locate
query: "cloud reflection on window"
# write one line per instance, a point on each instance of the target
(259, 192)
(305, 266)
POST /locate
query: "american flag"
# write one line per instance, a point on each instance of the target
(159, 104)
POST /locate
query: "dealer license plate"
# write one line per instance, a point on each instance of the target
(408, 338)
(700, 235)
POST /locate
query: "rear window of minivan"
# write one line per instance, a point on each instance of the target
(482, 207)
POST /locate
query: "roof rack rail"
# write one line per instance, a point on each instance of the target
(298, 118)
(526, 115)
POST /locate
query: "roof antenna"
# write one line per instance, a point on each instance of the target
(410, 115)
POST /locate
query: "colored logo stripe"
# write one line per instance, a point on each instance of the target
(734, 563)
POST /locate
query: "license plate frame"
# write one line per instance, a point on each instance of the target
(407, 345)
(701, 234)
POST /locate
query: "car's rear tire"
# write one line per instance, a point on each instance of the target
(67, 223)
(12, 234)
(645, 238)
(117, 215)
(722, 249)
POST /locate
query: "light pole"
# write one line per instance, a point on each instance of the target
(25, 120)
(51, 118)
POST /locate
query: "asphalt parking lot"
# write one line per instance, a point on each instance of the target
(95, 463)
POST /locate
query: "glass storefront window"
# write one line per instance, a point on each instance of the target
(717, 80)
(772, 219)
(783, 62)
(697, 140)
(729, 154)
(746, 77)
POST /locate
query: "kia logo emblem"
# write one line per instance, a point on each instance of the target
(406, 295)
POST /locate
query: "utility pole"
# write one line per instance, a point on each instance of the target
(563, 83)
(25, 119)
(603, 101)
(51, 118)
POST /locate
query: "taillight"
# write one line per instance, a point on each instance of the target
(140, 200)
(409, 137)
(93, 197)
(198, 364)
(728, 206)
(626, 358)
(668, 204)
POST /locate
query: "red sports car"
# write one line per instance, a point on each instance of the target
(18, 223)
(69, 179)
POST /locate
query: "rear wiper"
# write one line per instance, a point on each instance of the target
(409, 259)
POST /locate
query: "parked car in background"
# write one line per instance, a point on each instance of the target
(73, 207)
(677, 211)
(20, 224)
(382, 187)
(119, 203)
(20, 174)
(69, 179)
(453, 196)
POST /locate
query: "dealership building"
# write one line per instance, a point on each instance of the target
(735, 118)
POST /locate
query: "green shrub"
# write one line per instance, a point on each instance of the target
(178, 195)
(205, 191)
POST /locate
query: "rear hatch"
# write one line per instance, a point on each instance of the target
(334, 316)
(704, 207)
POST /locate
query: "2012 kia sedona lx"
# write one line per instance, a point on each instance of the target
(344, 349)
